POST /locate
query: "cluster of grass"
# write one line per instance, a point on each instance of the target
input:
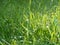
(29, 22)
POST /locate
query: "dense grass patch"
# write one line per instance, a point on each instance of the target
(29, 22)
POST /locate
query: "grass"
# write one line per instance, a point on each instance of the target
(29, 22)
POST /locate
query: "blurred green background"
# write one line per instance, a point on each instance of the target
(29, 22)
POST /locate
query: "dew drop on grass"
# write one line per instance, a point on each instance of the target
(15, 37)
(52, 0)
(47, 26)
(26, 29)
(20, 36)
(27, 20)
(30, 41)
(58, 35)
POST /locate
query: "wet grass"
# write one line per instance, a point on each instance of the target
(29, 22)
